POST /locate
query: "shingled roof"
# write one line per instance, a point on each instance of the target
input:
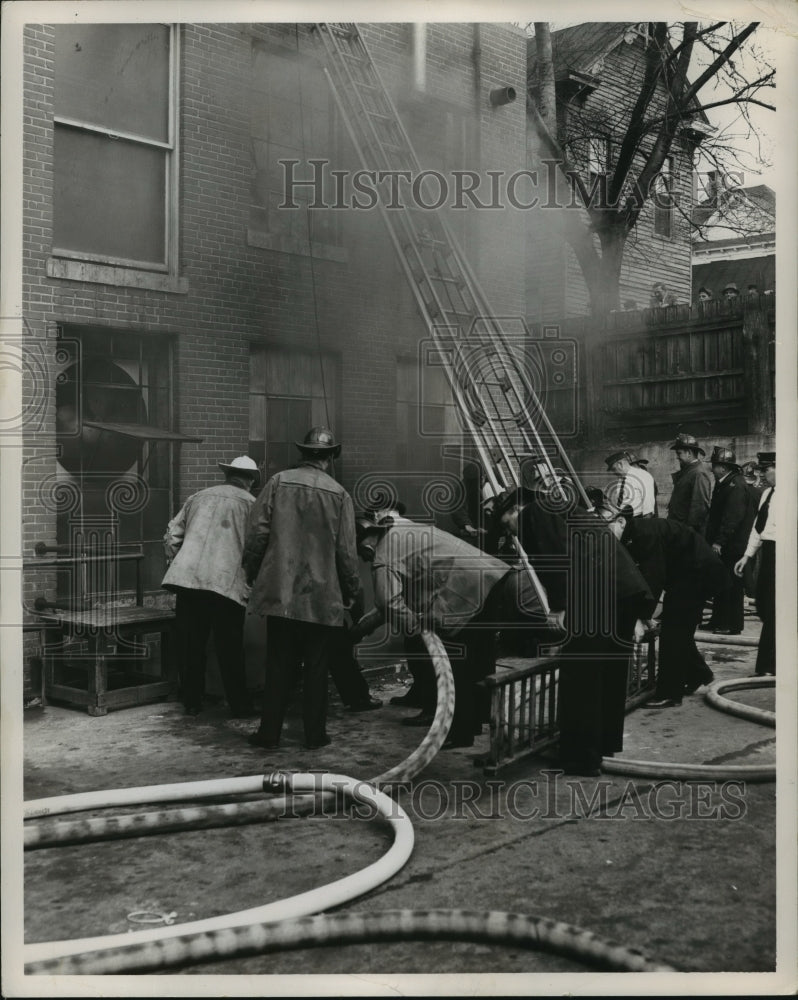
(760, 195)
(577, 48)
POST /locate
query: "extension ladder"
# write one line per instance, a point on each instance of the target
(489, 376)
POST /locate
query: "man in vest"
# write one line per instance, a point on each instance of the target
(203, 544)
(692, 485)
(731, 517)
(763, 537)
(301, 556)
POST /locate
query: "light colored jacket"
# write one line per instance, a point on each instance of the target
(427, 578)
(204, 542)
(300, 548)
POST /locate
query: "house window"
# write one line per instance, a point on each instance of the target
(664, 200)
(113, 425)
(292, 117)
(115, 144)
(289, 392)
(597, 155)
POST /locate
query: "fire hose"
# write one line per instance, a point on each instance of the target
(755, 773)
(288, 923)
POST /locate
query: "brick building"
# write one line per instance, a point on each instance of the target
(164, 290)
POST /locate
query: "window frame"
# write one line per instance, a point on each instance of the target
(171, 173)
(330, 366)
(272, 237)
(431, 442)
(663, 214)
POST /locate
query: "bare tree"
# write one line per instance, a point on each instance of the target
(665, 102)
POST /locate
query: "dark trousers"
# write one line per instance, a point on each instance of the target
(592, 698)
(345, 670)
(294, 648)
(472, 657)
(679, 660)
(472, 652)
(200, 612)
(766, 609)
(728, 606)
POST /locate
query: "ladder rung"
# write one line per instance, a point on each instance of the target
(451, 281)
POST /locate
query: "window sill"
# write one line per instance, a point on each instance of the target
(106, 274)
(292, 245)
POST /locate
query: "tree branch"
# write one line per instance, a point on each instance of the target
(721, 60)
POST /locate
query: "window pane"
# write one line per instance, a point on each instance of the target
(114, 75)
(109, 197)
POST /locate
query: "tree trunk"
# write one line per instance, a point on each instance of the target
(603, 284)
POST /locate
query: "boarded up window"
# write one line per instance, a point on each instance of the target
(289, 392)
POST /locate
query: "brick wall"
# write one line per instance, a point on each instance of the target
(234, 294)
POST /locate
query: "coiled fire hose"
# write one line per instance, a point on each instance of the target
(275, 926)
(755, 773)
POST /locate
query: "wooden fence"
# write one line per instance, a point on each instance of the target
(645, 372)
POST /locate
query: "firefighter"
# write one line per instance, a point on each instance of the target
(731, 517)
(598, 596)
(425, 578)
(203, 544)
(300, 556)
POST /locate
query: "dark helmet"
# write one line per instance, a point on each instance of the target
(689, 442)
(723, 456)
(765, 459)
(319, 441)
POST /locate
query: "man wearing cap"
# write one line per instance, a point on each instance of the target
(763, 537)
(203, 544)
(731, 292)
(731, 517)
(676, 560)
(692, 485)
(425, 578)
(598, 595)
(633, 488)
(301, 558)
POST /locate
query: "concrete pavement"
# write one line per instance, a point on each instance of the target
(683, 871)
